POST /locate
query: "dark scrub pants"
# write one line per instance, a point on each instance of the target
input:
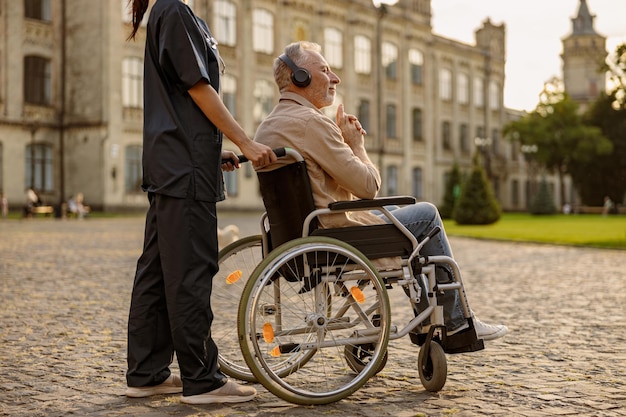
(170, 305)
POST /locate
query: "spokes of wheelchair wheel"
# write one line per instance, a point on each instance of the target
(295, 333)
(236, 262)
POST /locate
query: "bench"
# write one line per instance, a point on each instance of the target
(598, 210)
(45, 210)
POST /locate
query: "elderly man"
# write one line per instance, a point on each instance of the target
(337, 161)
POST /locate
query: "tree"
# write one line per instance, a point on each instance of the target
(477, 204)
(452, 192)
(604, 175)
(543, 202)
(615, 65)
(558, 131)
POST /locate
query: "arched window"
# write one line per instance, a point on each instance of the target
(390, 60)
(132, 82)
(37, 80)
(333, 47)
(229, 93)
(225, 22)
(416, 66)
(39, 167)
(263, 100)
(362, 54)
(263, 31)
(132, 167)
(37, 10)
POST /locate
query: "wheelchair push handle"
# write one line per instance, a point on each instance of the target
(279, 152)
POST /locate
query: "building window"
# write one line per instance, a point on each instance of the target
(37, 10)
(263, 100)
(263, 31)
(362, 55)
(418, 125)
(231, 183)
(132, 168)
(390, 60)
(479, 92)
(515, 193)
(495, 141)
(392, 180)
(445, 84)
(331, 111)
(229, 93)
(363, 114)
(1, 170)
(127, 14)
(132, 82)
(464, 140)
(40, 167)
(480, 133)
(391, 127)
(462, 88)
(445, 135)
(417, 187)
(225, 22)
(416, 65)
(333, 47)
(494, 95)
(37, 80)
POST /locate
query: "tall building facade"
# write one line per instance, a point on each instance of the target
(584, 53)
(71, 93)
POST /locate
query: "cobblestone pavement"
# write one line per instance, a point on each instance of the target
(64, 297)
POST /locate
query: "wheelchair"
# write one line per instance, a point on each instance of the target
(309, 310)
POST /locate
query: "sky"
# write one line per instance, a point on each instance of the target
(534, 32)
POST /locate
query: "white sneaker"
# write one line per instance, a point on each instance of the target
(230, 392)
(172, 385)
(489, 331)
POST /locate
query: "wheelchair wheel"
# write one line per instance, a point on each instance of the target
(433, 369)
(236, 262)
(358, 356)
(294, 332)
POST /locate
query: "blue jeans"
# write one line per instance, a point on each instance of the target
(420, 219)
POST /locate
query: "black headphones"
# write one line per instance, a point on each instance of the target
(299, 76)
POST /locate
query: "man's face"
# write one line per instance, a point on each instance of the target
(321, 92)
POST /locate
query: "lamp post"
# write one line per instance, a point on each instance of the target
(34, 126)
(483, 144)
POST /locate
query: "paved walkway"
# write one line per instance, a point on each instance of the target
(64, 297)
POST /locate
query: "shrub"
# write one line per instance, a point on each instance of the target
(477, 204)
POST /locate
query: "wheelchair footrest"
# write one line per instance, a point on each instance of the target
(464, 341)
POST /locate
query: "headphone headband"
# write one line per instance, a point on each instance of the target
(299, 76)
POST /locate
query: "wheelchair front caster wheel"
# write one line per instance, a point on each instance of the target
(433, 368)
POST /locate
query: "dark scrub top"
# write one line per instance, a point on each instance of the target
(181, 147)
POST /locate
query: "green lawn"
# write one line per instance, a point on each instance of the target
(578, 230)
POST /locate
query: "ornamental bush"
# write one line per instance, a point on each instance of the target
(477, 203)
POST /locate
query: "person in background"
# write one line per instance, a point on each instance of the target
(338, 164)
(76, 206)
(184, 119)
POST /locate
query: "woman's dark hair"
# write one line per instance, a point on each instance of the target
(138, 8)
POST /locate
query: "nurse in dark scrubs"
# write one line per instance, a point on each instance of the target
(184, 119)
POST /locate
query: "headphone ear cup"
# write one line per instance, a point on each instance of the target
(301, 77)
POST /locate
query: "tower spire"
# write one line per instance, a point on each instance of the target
(583, 23)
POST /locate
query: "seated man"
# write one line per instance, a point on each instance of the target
(337, 161)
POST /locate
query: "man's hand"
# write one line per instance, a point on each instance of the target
(351, 128)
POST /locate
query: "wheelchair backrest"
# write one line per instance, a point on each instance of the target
(288, 199)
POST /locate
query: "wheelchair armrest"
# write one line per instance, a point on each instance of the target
(367, 203)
